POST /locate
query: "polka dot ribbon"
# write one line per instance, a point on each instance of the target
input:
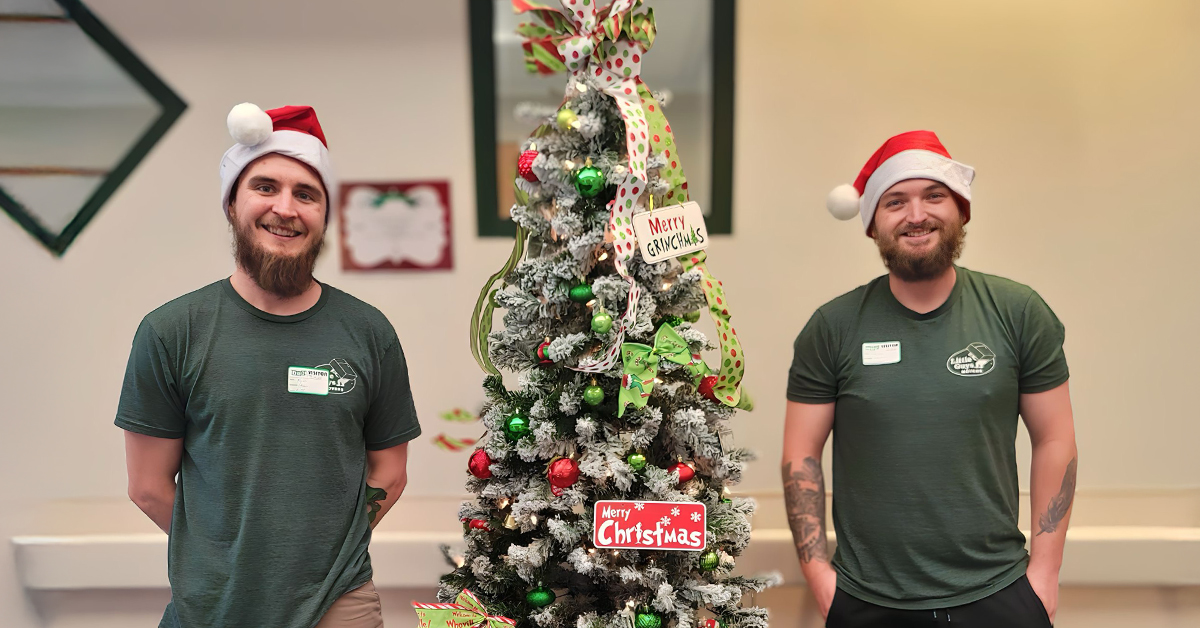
(733, 361)
(607, 45)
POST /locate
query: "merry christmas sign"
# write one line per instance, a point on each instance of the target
(396, 226)
(670, 232)
(649, 525)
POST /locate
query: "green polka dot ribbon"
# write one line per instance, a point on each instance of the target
(733, 361)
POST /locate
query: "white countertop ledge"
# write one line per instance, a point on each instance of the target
(1094, 556)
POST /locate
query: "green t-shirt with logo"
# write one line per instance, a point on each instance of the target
(276, 414)
(925, 495)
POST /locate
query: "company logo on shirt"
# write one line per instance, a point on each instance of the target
(976, 360)
(341, 377)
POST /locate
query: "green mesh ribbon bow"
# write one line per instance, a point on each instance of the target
(641, 365)
(468, 612)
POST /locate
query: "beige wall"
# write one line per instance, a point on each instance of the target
(1079, 117)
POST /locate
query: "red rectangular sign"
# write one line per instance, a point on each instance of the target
(650, 525)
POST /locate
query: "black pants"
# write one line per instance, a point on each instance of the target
(1014, 606)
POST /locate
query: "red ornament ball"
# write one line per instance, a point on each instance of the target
(685, 471)
(478, 524)
(479, 463)
(525, 165)
(541, 353)
(562, 474)
(709, 623)
(706, 387)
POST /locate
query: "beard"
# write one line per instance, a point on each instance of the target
(284, 276)
(911, 266)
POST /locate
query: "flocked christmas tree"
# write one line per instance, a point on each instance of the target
(613, 400)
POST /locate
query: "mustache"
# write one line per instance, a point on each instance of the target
(293, 224)
(925, 225)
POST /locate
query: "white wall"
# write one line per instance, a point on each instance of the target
(1079, 117)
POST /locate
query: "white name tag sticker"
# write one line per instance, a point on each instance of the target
(308, 381)
(876, 353)
(670, 232)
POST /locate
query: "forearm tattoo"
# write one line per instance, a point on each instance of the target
(1060, 504)
(804, 492)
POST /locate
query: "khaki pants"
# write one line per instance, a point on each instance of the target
(356, 609)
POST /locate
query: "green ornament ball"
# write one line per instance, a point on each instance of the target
(589, 180)
(539, 597)
(637, 461)
(648, 619)
(593, 395)
(566, 119)
(709, 560)
(581, 293)
(692, 317)
(515, 427)
(601, 323)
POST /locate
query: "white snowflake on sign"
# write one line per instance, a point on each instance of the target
(639, 506)
(696, 517)
(666, 521)
(674, 512)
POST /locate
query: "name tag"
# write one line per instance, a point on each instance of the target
(308, 381)
(876, 353)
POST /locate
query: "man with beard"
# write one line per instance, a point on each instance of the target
(921, 375)
(283, 404)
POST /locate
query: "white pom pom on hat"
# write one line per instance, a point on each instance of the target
(842, 202)
(249, 124)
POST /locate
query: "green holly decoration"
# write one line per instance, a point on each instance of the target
(637, 461)
(647, 618)
(515, 427)
(672, 320)
(593, 395)
(602, 322)
(709, 560)
(692, 317)
(581, 293)
(540, 597)
(589, 181)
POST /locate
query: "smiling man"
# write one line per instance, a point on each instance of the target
(921, 375)
(267, 415)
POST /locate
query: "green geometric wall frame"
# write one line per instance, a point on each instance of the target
(171, 106)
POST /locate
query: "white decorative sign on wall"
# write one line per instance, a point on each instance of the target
(670, 232)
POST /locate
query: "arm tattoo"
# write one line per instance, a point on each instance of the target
(1060, 503)
(804, 492)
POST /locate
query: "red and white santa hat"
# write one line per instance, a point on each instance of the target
(292, 131)
(911, 155)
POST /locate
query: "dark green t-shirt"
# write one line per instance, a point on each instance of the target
(925, 495)
(270, 520)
